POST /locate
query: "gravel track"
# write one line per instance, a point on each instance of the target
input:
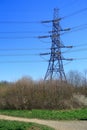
(57, 125)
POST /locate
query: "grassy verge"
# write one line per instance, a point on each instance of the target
(77, 114)
(13, 125)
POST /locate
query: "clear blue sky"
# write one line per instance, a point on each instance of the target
(38, 10)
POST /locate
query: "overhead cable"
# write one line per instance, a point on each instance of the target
(75, 13)
(2, 55)
(22, 49)
(23, 61)
(44, 21)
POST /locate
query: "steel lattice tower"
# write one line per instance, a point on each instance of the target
(55, 67)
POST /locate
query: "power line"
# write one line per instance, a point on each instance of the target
(19, 61)
(72, 29)
(82, 49)
(2, 55)
(30, 49)
(46, 36)
(78, 29)
(45, 21)
(26, 37)
(64, 17)
(22, 22)
(22, 49)
(40, 54)
(34, 61)
(67, 51)
(85, 58)
(23, 37)
(69, 4)
(79, 26)
(75, 13)
(80, 45)
(16, 32)
(67, 30)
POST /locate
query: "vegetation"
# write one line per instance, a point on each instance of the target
(13, 125)
(29, 94)
(77, 114)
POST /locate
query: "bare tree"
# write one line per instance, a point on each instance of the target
(75, 78)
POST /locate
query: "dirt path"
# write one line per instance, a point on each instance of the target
(58, 125)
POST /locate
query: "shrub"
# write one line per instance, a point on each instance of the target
(28, 94)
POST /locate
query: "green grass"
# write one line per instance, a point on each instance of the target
(76, 114)
(14, 125)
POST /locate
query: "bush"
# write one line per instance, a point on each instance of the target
(28, 94)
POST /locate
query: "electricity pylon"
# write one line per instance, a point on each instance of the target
(55, 67)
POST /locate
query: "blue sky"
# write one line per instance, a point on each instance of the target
(35, 11)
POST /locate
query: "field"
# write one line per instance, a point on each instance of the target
(76, 114)
(14, 125)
